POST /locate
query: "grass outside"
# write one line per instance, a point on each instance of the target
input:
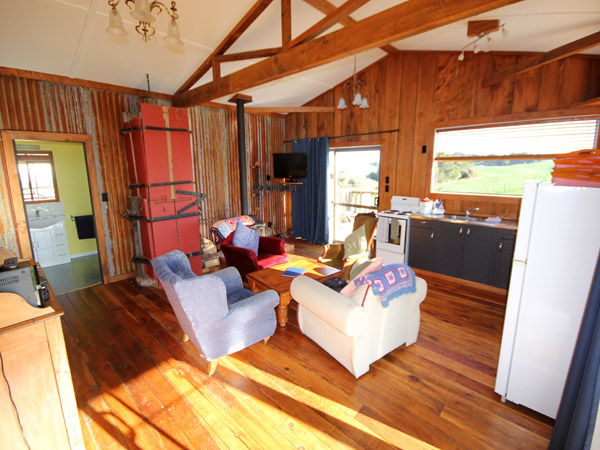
(500, 180)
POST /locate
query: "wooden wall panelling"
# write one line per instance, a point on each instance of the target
(424, 133)
(407, 109)
(390, 120)
(527, 90)
(449, 90)
(549, 82)
(573, 87)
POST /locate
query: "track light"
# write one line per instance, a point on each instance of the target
(489, 39)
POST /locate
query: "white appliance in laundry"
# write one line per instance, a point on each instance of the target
(556, 250)
(393, 229)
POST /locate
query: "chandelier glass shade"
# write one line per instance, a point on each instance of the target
(352, 86)
(143, 13)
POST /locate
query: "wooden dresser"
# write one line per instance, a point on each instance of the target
(36, 392)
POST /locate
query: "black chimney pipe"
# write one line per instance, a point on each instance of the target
(239, 100)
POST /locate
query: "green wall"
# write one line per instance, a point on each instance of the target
(73, 188)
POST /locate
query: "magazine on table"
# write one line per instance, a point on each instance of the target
(293, 272)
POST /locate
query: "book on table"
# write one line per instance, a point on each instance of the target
(293, 272)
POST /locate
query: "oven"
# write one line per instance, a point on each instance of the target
(393, 230)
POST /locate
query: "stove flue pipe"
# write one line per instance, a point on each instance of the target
(239, 100)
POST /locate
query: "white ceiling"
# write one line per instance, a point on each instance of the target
(68, 37)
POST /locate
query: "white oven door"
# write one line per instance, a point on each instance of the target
(391, 234)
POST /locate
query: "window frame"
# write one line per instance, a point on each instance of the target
(33, 157)
(482, 123)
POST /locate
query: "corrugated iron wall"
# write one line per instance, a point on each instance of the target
(214, 149)
(32, 105)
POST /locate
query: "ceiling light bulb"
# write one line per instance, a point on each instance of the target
(364, 104)
(141, 12)
(173, 37)
(461, 57)
(357, 99)
(476, 49)
(505, 32)
(342, 103)
(115, 23)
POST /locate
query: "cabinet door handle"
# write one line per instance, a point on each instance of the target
(468, 232)
(500, 247)
(432, 234)
(460, 231)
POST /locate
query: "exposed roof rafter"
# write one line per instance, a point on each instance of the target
(327, 8)
(229, 40)
(328, 21)
(399, 22)
(572, 48)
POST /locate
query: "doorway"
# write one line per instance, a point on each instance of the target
(58, 204)
(98, 259)
(353, 185)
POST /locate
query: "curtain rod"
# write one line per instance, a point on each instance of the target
(354, 135)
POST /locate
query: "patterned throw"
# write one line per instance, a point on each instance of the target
(390, 282)
(226, 226)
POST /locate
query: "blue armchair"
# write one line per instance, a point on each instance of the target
(215, 311)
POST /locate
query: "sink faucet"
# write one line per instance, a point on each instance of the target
(471, 211)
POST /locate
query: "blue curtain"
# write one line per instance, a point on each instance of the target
(309, 202)
(578, 408)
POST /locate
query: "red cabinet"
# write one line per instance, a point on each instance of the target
(161, 185)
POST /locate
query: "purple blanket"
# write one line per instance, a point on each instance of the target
(390, 282)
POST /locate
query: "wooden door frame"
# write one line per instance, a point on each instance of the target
(16, 196)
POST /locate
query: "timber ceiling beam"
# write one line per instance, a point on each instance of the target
(572, 48)
(328, 21)
(327, 8)
(229, 40)
(399, 22)
(286, 21)
(588, 103)
(290, 109)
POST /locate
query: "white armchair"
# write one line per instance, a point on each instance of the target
(357, 335)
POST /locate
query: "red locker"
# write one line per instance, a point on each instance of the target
(160, 164)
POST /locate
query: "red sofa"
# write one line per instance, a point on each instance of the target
(271, 251)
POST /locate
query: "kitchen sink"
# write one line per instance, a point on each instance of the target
(467, 218)
(45, 221)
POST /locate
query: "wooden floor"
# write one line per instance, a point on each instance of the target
(139, 387)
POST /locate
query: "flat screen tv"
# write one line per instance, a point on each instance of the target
(289, 165)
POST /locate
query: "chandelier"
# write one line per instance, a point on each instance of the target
(142, 12)
(357, 99)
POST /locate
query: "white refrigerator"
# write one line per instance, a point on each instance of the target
(556, 249)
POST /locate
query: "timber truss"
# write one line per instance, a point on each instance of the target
(308, 50)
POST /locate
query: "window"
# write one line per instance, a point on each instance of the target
(497, 159)
(38, 179)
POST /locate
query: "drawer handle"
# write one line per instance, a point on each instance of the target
(500, 247)
(460, 232)
(468, 232)
(432, 234)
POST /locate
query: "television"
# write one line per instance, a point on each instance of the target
(289, 165)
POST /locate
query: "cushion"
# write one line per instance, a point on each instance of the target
(246, 238)
(356, 242)
(367, 267)
(223, 230)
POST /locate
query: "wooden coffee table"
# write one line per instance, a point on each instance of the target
(271, 278)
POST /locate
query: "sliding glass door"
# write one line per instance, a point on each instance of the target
(353, 184)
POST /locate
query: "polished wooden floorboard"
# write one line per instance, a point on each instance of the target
(138, 386)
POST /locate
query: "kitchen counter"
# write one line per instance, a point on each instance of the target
(507, 224)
